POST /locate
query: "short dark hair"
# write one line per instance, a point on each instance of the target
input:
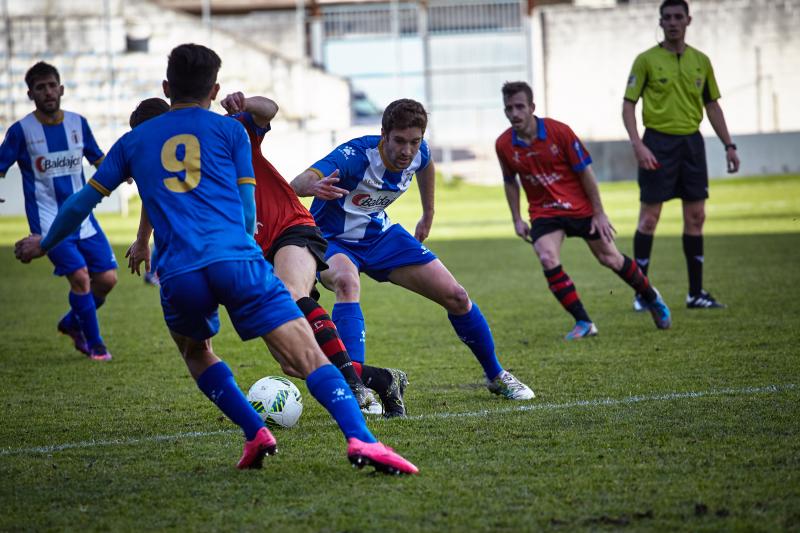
(40, 70)
(670, 3)
(402, 114)
(510, 88)
(192, 71)
(147, 109)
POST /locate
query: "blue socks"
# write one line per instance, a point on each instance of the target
(349, 321)
(329, 388)
(85, 310)
(218, 385)
(473, 331)
(70, 320)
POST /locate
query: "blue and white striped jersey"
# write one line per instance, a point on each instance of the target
(373, 185)
(50, 158)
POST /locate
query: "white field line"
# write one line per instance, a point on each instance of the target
(602, 402)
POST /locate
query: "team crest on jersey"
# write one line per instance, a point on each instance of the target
(75, 137)
(347, 151)
(698, 82)
(554, 149)
(516, 156)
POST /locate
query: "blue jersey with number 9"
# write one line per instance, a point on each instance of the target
(187, 164)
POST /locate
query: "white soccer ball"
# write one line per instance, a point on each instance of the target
(277, 400)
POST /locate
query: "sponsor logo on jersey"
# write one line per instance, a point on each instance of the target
(542, 179)
(558, 204)
(58, 163)
(366, 201)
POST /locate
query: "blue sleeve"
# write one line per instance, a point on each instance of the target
(425, 152)
(255, 128)
(247, 192)
(91, 151)
(71, 214)
(114, 169)
(10, 149)
(242, 153)
(351, 161)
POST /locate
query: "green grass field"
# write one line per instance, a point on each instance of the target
(693, 429)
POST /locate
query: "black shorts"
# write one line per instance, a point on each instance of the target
(573, 227)
(682, 172)
(309, 237)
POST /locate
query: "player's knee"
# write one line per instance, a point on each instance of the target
(79, 281)
(347, 285)
(105, 281)
(648, 223)
(694, 221)
(547, 259)
(457, 300)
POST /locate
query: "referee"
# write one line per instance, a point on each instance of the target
(676, 81)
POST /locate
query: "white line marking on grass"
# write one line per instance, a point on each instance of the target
(602, 402)
(608, 402)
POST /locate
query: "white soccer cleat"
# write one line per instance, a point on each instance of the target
(505, 384)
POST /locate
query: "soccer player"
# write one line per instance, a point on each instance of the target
(49, 145)
(292, 243)
(195, 177)
(352, 187)
(676, 82)
(563, 201)
(147, 109)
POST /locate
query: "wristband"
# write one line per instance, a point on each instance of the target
(729, 146)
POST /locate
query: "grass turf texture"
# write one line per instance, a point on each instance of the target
(135, 445)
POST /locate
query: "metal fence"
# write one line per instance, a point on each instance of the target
(402, 18)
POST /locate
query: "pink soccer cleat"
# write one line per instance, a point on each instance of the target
(255, 450)
(100, 353)
(77, 337)
(383, 458)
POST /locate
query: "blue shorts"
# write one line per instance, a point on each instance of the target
(255, 298)
(377, 258)
(73, 254)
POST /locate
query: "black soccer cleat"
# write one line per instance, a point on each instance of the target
(704, 300)
(392, 397)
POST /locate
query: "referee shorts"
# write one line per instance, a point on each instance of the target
(682, 171)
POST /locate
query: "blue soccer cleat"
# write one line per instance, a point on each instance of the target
(660, 312)
(582, 329)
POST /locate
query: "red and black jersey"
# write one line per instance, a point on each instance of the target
(548, 169)
(277, 205)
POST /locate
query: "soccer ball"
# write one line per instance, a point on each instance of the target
(277, 400)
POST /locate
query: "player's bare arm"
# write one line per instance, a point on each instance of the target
(644, 157)
(140, 249)
(426, 179)
(717, 119)
(600, 222)
(261, 108)
(309, 183)
(511, 188)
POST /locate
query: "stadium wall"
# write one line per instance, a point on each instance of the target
(104, 81)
